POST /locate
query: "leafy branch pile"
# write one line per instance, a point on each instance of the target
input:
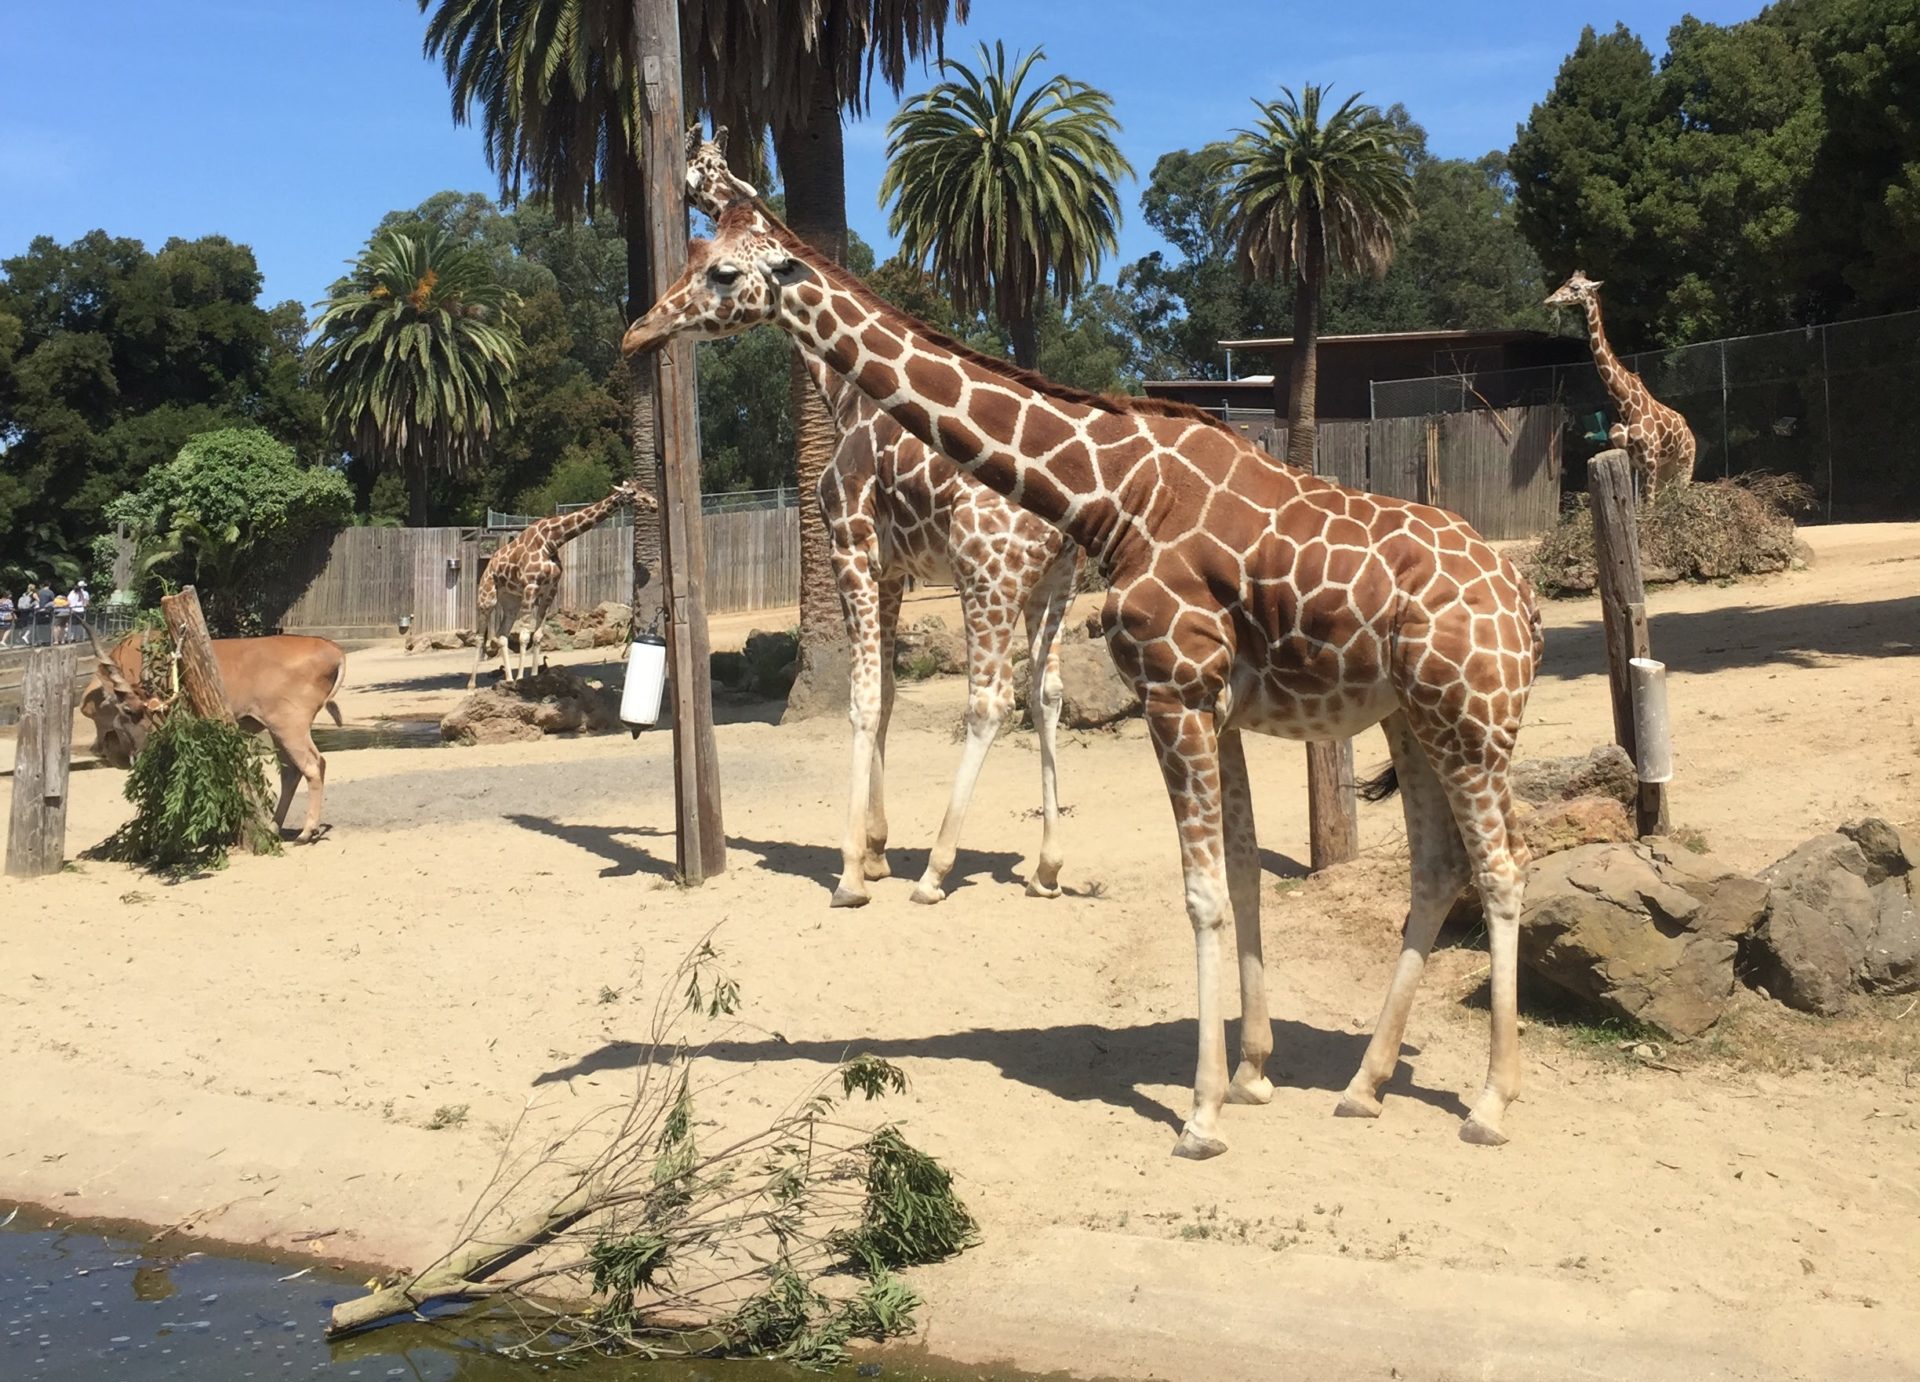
(1703, 532)
(777, 1243)
(198, 788)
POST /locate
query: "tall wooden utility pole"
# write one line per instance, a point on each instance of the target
(701, 841)
(37, 830)
(1623, 615)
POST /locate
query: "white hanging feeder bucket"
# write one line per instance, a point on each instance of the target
(646, 680)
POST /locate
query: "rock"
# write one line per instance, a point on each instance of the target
(1886, 853)
(1660, 575)
(1821, 917)
(607, 635)
(1640, 934)
(1569, 824)
(1093, 693)
(927, 647)
(555, 701)
(612, 614)
(1893, 954)
(1605, 771)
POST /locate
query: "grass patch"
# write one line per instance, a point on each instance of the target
(447, 1116)
(1703, 532)
(919, 666)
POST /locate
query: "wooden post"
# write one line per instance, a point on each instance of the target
(701, 843)
(1623, 611)
(201, 685)
(1333, 807)
(37, 832)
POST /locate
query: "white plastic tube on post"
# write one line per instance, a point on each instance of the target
(1653, 738)
(646, 680)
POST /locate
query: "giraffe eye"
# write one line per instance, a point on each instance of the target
(726, 275)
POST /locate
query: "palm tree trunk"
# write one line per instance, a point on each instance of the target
(645, 469)
(417, 498)
(1025, 333)
(813, 165)
(1303, 382)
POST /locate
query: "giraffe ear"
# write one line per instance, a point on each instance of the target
(785, 269)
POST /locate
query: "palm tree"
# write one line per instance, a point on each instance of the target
(561, 114)
(415, 357)
(1006, 193)
(1305, 196)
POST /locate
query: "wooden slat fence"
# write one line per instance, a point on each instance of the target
(358, 582)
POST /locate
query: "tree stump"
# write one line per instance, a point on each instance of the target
(1623, 611)
(1333, 806)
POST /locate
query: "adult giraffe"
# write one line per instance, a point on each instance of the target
(1657, 440)
(522, 579)
(1244, 595)
(895, 508)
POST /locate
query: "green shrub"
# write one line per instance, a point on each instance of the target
(198, 788)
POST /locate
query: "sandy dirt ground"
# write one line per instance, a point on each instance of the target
(258, 1054)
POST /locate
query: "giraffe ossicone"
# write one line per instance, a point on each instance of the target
(522, 580)
(1657, 440)
(1243, 595)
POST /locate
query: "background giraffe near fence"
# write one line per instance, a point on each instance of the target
(1244, 594)
(1656, 438)
(896, 509)
(518, 588)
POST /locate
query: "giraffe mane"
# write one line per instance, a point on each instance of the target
(1004, 369)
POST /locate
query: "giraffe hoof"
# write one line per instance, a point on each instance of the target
(1482, 1134)
(876, 866)
(1353, 1105)
(1193, 1147)
(847, 897)
(1035, 888)
(1258, 1090)
(926, 894)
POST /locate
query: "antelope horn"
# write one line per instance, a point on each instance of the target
(108, 668)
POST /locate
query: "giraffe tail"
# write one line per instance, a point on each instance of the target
(1381, 785)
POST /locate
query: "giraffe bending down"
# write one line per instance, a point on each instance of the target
(1656, 439)
(1246, 595)
(522, 580)
(895, 509)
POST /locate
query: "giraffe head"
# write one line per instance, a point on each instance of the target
(711, 184)
(628, 492)
(1575, 292)
(732, 282)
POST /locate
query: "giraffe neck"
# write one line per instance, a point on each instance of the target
(987, 420)
(1612, 373)
(564, 528)
(850, 406)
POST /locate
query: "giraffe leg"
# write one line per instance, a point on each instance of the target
(1185, 741)
(1439, 872)
(860, 601)
(1250, 1083)
(989, 627)
(876, 866)
(1484, 808)
(1045, 609)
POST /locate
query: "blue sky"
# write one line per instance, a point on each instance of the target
(294, 125)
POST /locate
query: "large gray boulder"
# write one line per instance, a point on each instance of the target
(1892, 964)
(1821, 920)
(1092, 691)
(1642, 932)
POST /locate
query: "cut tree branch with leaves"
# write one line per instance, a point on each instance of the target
(779, 1242)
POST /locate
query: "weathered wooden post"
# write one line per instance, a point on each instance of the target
(1623, 612)
(201, 685)
(37, 831)
(701, 843)
(1333, 807)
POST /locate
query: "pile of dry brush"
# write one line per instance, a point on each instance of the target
(1700, 532)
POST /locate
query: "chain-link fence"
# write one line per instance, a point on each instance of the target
(1837, 405)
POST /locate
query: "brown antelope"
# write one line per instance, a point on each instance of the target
(278, 684)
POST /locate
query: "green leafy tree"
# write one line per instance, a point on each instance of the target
(110, 358)
(1307, 195)
(225, 514)
(1007, 193)
(415, 358)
